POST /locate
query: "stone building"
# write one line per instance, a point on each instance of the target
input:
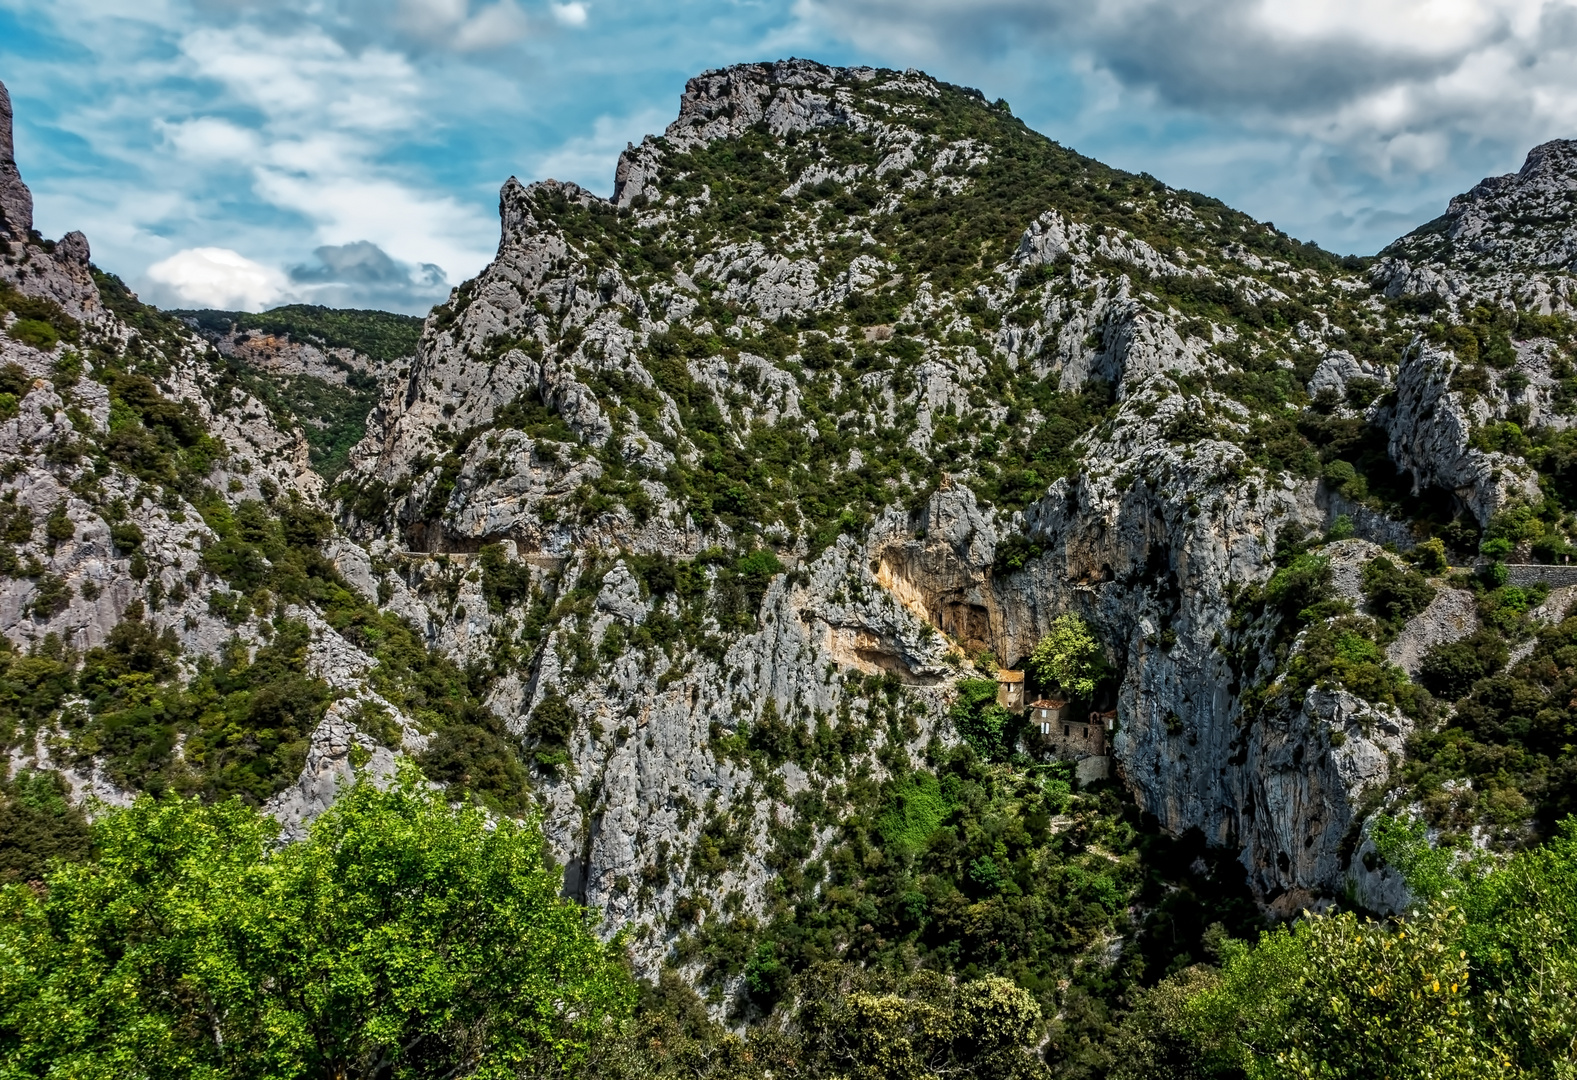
(1068, 736)
(1010, 690)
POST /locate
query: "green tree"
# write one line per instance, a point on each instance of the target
(1475, 982)
(872, 1026)
(402, 938)
(1070, 657)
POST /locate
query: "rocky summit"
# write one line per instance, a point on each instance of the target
(712, 521)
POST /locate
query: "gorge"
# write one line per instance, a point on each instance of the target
(693, 521)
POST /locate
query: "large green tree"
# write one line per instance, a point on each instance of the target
(1069, 656)
(402, 938)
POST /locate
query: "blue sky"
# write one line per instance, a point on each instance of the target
(252, 152)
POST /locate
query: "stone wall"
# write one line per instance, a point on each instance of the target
(1538, 573)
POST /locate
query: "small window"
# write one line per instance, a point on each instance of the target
(1065, 729)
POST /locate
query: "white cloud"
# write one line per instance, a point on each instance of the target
(589, 159)
(211, 139)
(307, 79)
(491, 28)
(571, 14)
(1396, 86)
(327, 115)
(452, 23)
(215, 278)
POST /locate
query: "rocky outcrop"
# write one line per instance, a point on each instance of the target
(16, 202)
(1169, 515)
(1512, 239)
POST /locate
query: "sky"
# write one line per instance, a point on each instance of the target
(248, 153)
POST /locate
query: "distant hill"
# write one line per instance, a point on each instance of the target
(382, 335)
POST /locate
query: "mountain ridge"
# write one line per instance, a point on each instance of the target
(719, 501)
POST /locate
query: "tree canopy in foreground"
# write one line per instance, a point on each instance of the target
(402, 938)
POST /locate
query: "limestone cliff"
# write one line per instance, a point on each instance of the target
(716, 488)
(609, 390)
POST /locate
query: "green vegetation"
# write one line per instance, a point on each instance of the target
(1475, 983)
(968, 869)
(38, 825)
(402, 938)
(382, 335)
(237, 725)
(272, 558)
(333, 417)
(1394, 593)
(1069, 657)
(983, 724)
(40, 323)
(1514, 730)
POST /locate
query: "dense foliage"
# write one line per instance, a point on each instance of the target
(971, 869)
(1476, 982)
(401, 938)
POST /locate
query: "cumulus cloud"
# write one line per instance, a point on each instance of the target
(571, 14)
(457, 25)
(327, 115)
(211, 277)
(361, 274)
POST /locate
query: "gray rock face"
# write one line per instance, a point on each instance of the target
(1512, 239)
(1430, 427)
(1150, 538)
(1520, 219)
(529, 483)
(16, 202)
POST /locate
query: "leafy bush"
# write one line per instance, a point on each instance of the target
(1431, 557)
(914, 809)
(1344, 652)
(1474, 984)
(504, 583)
(34, 333)
(1299, 589)
(1394, 593)
(982, 723)
(1451, 668)
(401, 937)
(38, 827)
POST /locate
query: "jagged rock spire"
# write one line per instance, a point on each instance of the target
(16, 202)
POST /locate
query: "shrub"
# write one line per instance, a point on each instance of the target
(51, 596)
(58, 526)
(1393, 593)
(1298, 588)
(34, 333)
(980, 721)
(915, 807)
(402, 937)
(1431, 557)
(1451, 668)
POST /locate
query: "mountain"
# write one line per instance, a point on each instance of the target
(701, 519)
(316, 366)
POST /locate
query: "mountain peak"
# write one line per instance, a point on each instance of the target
(1522, 220)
